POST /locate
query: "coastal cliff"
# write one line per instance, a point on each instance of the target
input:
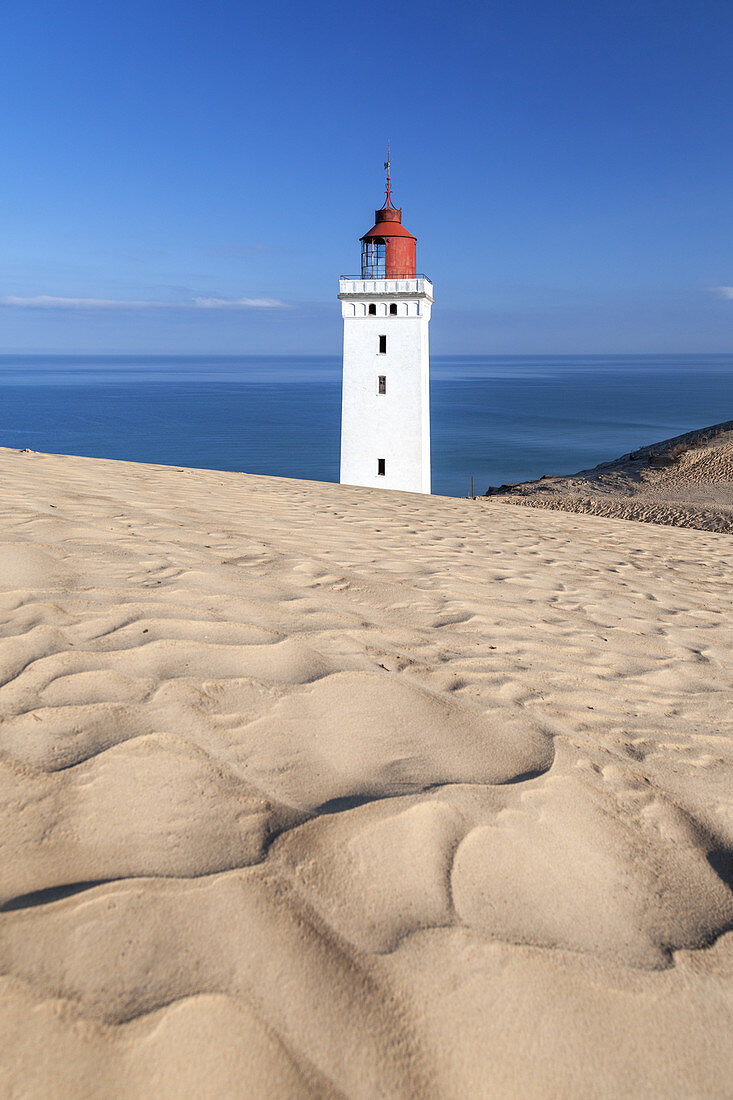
(686, 481)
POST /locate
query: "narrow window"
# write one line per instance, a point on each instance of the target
(382, 345)
(382, 388)
(372, 310)
(380, 467)
(393, 309)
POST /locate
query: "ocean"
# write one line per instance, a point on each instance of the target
(496, 418)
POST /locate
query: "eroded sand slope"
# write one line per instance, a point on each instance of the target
(310, 790)
(686, 481)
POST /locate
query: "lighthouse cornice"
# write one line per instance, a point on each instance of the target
(418, 286)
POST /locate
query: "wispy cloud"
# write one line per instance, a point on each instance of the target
(238, 303)
(723, 291)
(48, 301)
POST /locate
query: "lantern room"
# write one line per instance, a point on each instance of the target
(388, 250)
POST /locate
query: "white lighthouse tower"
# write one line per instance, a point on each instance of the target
(385, 412)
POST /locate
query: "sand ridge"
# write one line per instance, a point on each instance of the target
(686, 481)
(312, 790)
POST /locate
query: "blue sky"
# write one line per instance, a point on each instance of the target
(188, 176)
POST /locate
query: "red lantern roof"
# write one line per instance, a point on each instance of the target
(384, 227)
(388, 220)
(388, 249)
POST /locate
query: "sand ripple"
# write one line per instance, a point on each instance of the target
(308, 790)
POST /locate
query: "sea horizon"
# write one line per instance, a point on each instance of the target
(496, 418)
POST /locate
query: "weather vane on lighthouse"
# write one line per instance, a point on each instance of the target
(385, 415)
(388, 166)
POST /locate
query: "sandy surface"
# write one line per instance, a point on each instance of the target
(310, 790)
(686, 481)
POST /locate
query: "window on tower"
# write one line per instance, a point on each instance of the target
(382, 384)
(382, 345)
(380, 467)
(393, 309)
(372, 309)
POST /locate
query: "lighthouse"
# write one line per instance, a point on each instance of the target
(385, 405)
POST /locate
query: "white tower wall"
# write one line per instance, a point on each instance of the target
(393, 426)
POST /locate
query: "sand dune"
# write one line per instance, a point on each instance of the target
(686, 481)
(317, 791)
